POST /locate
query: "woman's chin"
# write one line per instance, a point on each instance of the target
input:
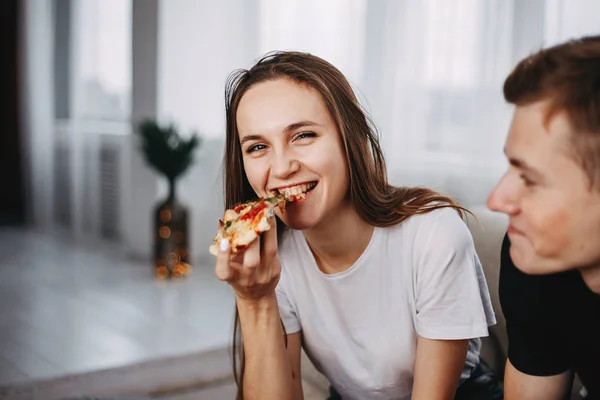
(299, 223)
(298, 226)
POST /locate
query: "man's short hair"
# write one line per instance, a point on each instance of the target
(568, 77)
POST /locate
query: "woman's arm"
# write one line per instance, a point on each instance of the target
(271, 372)
(254, 274)
(438, 366)
(452, 303)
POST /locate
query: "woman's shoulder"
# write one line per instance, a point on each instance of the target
(441, 227)
(439, 218)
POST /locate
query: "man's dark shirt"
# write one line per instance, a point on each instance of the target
(553, 323)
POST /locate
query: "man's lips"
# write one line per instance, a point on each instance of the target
(513, 231)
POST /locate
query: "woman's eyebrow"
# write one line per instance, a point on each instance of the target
(298, 125)
(287, 129)
(248, 138)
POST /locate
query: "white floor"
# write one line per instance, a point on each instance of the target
(225, 391)
(68, 308)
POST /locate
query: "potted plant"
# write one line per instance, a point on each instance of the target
(170, 155)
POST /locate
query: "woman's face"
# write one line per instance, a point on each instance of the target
(290, 143)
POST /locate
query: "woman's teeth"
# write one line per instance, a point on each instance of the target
(298, 189)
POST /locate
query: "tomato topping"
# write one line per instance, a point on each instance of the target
(250, 215)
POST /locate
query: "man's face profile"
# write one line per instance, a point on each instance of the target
(554, 212)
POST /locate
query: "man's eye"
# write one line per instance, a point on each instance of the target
(255, 147)
(528, 182)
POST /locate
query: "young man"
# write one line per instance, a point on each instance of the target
(550, 267)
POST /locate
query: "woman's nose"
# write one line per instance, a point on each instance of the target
(284, 165)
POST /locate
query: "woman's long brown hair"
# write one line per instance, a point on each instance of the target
(376, 201)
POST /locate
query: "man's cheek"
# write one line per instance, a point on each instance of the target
(552, 235)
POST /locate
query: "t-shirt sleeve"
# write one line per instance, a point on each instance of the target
(287, 312)
(452, 297)
(534, 343)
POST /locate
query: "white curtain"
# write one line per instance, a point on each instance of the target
(429, 71)
(443, 119)
(333, 29)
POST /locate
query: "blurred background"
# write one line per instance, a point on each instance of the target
(77, 197)
(81, 73)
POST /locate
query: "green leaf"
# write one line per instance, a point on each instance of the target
(165, 150)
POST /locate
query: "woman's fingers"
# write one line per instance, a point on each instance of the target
(223, 269)
(254, 270)
(269, 239)
(270, 252)
(251, 258)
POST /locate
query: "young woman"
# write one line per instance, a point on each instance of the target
(379, 284)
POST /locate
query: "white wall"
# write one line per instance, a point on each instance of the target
(571, 19)
(37, 119)
(140, 199)
(199, 45)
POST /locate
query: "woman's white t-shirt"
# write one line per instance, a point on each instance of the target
(360, 326)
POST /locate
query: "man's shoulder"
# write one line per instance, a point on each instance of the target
(552, 321)
(533, 296)
(522, 294)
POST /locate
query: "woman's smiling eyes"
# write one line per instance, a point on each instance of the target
(255, 148)
(302, 136)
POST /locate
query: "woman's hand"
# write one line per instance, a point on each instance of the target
(254, 272)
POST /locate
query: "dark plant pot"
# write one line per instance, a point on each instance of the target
(171, 238)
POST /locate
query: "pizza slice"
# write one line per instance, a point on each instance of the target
(247, 221)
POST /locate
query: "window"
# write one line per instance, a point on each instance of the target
(103, 58)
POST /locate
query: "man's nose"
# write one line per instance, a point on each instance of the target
(504, 197)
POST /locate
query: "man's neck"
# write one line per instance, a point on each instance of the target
(591, 277)
(339, 241)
